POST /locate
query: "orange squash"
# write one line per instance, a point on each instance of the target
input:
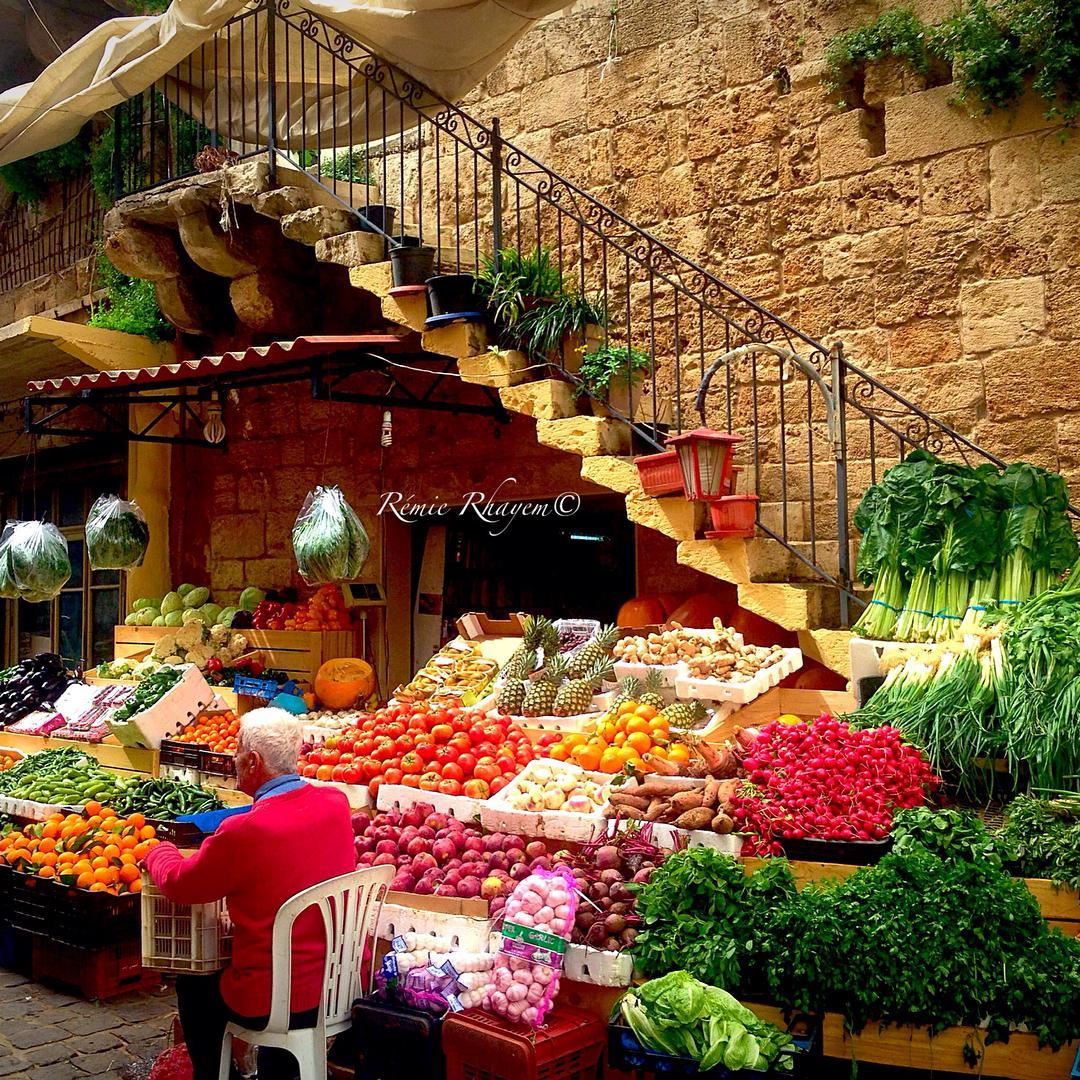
(699, 609)
(641, 611)
(340, 684)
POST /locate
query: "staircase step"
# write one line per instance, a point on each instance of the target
(793, 606)
(545, 399)
(406, 306)
(282, 201)
(723, 559)
(671, 515)
(617, 473)
(588, 436)
(351, 249)
(496, 368)
(458, 340)
(828, 647)
(318, 223)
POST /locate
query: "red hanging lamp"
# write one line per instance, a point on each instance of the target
(705, 459)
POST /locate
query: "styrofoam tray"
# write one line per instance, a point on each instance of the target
(358, 795)
(686, 686)
(469, 933)
(173, 711)
(667, 837)
(496, 815)
(583, 722)
(598, 966)
(400, 797)
(27, 809)
(668, 672)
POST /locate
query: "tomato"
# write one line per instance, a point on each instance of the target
(430, 781)
(345, 758)
(449, 787)
(314, 758)
(395, 730)
(486, 749)
(442, 733)
(505, 761)
(324, 772)
(427, 752)
(476, 735)
(476, 789)
(467, 763)
(410, 780)
(370, 769)
(352, 775)
(364, 747)
(453, 771)
(498, 784)
(338, 773)
(489, 773)
(309, 771)
(383, 753)
(393, 776)
(461, 743)
(417, 723)
(412, 763)
(524, 755)
(460, 724)
(373, 787)
(446, 755)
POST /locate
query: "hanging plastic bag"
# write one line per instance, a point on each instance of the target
(116, 534)
(34, 563)
(328, 539)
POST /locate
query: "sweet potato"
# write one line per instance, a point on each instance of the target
(657, 789)
(657, 808)
(728, 790)
(698, 818)
(722, 824)
(628, 798)
(662, 765)
(710, 793)
(687, 800)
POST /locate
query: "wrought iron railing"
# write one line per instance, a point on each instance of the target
(461, 186)
(34, 243)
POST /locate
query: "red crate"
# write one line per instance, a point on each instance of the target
(480, 1046)
(660, 473)
(94, 973)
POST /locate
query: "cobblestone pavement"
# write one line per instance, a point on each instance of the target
(49, 1035)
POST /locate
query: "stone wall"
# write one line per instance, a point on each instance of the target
(940, 247)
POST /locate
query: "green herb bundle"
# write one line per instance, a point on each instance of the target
(329, 541)
(1043, 838)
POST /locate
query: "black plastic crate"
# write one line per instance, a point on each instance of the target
(851, 852)
(15, 950)
(394, 1041)
(217, 762)
(182, 755)
(71, 916)
(627, 1054)
(185, 834)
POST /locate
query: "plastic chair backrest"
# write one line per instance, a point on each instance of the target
(350, 906)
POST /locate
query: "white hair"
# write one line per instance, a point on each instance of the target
(275, 735)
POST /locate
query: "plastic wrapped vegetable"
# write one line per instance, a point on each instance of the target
(116, 534)
(329, 542)
(34, 563)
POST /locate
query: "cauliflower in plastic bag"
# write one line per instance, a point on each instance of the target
(219, 636)
(166, 646)
(189, 635)
(199, 655)
(238, 645)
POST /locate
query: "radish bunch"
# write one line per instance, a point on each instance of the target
(523, 989)
(827, 781)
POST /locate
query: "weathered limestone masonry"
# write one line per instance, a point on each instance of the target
(942, 249)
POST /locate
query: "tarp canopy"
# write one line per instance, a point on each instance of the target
(449, 46)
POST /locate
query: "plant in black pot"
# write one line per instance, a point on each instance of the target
(454, 298)
(614, 374)
(514, 284)
(410, 264)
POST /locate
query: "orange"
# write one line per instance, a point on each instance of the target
(84, 881)
(92, 808)
(647, 712)
(679, 752)
(574, 738)
(610, 762)
(103, 874)
(660, 752)
(587, 756)
(111, 852)
(127, 842)
(638, 723)
(138, 820)
(127, 859)
(98, 886)
(48, 859)
(129, 873)
(639, 741)
(658, 723)
(627, 707)
(107, 812)
(558, 751)
(46, 872)
(99, 863)
(606, 730)
(627, 753)
(619, 739)
(83, 867)
(135, 886)
(50, 830)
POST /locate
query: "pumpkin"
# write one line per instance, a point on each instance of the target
(699, 610)
(669, 601)
(340, 684)
(641, 611)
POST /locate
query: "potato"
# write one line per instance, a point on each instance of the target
(722, 824)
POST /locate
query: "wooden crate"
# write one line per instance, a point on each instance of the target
(108, 753)
(299, 653)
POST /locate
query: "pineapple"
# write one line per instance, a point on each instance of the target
(521, 665)
(629, 689)
(541, 693)
(549, 638)
(650, 693)
(590, 654)
(575, 697)
(683, 714)
(533, 630)
(511, 696)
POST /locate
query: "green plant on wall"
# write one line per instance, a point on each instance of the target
(609, 364)
(29, 178)
(996, 49)
(131, 306)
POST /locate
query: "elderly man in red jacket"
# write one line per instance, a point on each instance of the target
(295, 836)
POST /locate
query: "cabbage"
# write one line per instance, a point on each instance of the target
(193, 615)
(116, 534)
(146, 616)
(226, 617)
(34, 555)
(184, 589)
(146, 601)
(251, 598)
(159, 621)
(173, 601)
(174, 618)
(211, 611)
(195, 598)
(129, 620)
(329, 542)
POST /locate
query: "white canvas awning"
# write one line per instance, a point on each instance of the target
(447, 45)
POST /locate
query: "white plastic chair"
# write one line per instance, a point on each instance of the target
(350, 906)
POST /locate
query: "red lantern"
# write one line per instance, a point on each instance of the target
(705, 458)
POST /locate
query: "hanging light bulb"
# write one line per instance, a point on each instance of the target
(214, 428)
(387, 436)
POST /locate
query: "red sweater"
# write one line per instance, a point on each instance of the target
(257, 861)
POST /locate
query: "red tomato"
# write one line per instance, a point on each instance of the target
(476, 789)
(352, 775)
(461, 743)
(442, 733)
(449, 787)
(467, 763)
(417, 723)
(446, 755)
(371, 768)
(314, 758)
(427, 752)
(384, 752)
(498, 784)
(395, 730)
(409, 780)
(490, 773)
(460, 724)
(338, 773)
(364, 747)
(393, 776)
(430, 781)
(310, 771)
(412, 762)
(476, 735)
(373, 787)
(453, 771)
(505, 761)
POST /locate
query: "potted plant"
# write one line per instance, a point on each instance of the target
(410, 264)
(614, 374)
(454, 297)
(564, 329)
(516, 283)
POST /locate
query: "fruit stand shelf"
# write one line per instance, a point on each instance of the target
(299, 653)
(1059, 906)
(108, 753)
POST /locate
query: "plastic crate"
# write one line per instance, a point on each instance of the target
(217, 762)
(183, 937)
(70, 916)
(94, 973)
(181, 755)
(395, 1041)
(265, 689)
(479, 1046)
(851, 852)
(15, 950)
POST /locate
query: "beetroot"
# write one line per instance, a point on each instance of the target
(611, 877)
(608, 858)
(643, 875)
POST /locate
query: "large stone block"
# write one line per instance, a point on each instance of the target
(848, 143)
(269, 302)
(1002, 314)
(615, 473)
(246, 181)
(143, 252)
(224, 254)
(926, 124)
(745, 174)
(811, 213)
(281, 201)
(192, 304)
(1059, 168)
(1063, 304)
(237, 536)
(829, 647)
(458, 340)
(946, 245)
(317, 223)
(956, 183)
(747, 52)
(888, 78)
(545, 399)
(1034, 440)
(886, 196)
(925, 342)
(671, 515)
(1014, 175)
(557, 100)
(852, 255)
(725, 560)
(376, 278)
(1031, 381)
(588, 436)
(648, 22)
(355, 248)
(496, 367)
(839, 304)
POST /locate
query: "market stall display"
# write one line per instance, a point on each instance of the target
(33, 683)
(178, 607)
